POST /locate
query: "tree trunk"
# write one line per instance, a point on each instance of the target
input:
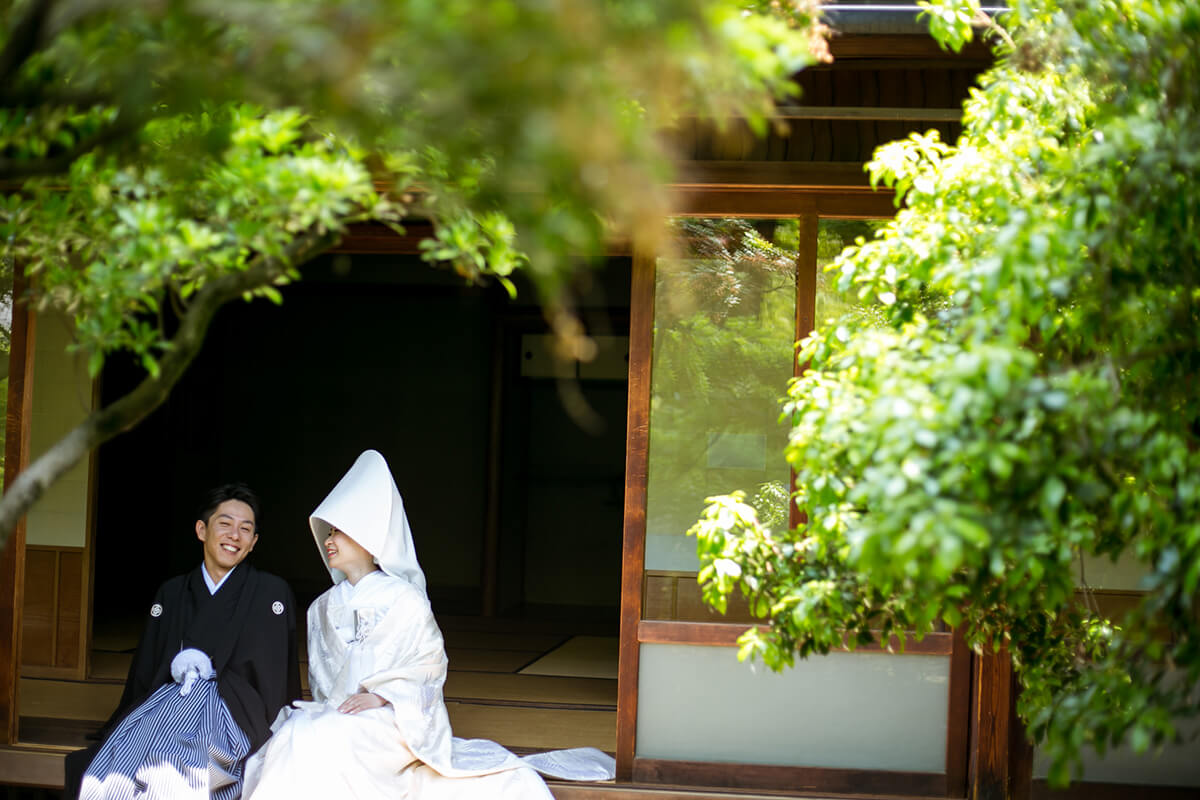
(103, 424)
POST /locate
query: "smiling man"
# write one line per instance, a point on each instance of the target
(216, 662)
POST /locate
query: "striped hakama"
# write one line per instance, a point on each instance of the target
(171, 746)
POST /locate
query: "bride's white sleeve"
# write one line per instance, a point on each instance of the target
(404, 662)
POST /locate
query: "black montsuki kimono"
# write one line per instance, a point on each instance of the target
(248, 629)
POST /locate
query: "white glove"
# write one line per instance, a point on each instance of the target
(190, 665)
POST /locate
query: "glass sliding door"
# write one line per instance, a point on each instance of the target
(724, 328)
(730, 297)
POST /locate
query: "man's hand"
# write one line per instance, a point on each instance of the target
(361, 702)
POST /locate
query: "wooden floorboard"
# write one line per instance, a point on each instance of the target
(21, 766)
(72, 733)
(28, 766)
(67, 700)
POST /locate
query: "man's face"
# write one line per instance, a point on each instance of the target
(228, 537)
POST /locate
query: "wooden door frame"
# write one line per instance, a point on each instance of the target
(16, 455)
(808, 204)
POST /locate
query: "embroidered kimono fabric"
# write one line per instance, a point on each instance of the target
(380, 636)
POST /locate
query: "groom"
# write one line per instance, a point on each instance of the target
(225, 633)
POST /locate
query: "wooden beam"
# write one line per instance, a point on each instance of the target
(906, 47)
(781, 203)
(788, 175)
(755, 189)
(725, 634)
(790, 779)
(864, 113)
(1085, 790)
(16, 453)
(738, 202)
(376, 238)
(637, 452)
(489, 584)
(958, 717)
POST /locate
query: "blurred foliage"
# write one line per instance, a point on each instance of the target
(146, 147)
(1028, 395)
(159, 159)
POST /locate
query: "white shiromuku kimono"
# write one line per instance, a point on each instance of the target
(380, 636)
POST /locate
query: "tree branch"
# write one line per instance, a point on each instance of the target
(103, 424)
(983, 20)
(28, 97)
(24, 39)
(16, 169)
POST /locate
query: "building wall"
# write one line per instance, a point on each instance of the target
(62, 397)
(56, 531)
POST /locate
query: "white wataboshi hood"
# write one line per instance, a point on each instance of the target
(366, 505)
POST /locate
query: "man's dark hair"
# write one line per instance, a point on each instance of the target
(229, 491)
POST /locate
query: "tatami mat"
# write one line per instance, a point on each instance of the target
(469, 660)
(535, 728)
(579, 657)
(532, 689)
(493, 640)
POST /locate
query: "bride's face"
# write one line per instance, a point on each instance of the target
(346, 554)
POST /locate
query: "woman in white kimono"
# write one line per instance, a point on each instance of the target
(377, 726)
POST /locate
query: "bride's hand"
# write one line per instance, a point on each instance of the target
(361, 702)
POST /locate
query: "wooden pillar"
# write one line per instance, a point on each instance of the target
(1001, 765)
(1020, 750)
(806, 317)
(633, 549)
(12, 560)
(489, 584)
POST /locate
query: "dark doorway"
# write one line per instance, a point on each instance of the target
(383, 352)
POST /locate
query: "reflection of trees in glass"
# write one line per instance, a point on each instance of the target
(723, 338)
(833, 236)
(833, 303)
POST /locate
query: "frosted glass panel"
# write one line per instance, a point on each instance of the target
(1101, 572)
(846, 710)
(1175, 766)
(724, 329)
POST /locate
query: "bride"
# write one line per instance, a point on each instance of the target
(377, 726)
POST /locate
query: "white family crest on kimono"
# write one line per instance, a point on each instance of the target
(379, 636)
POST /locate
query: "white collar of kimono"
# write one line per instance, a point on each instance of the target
(210, 583)
(366, 506)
